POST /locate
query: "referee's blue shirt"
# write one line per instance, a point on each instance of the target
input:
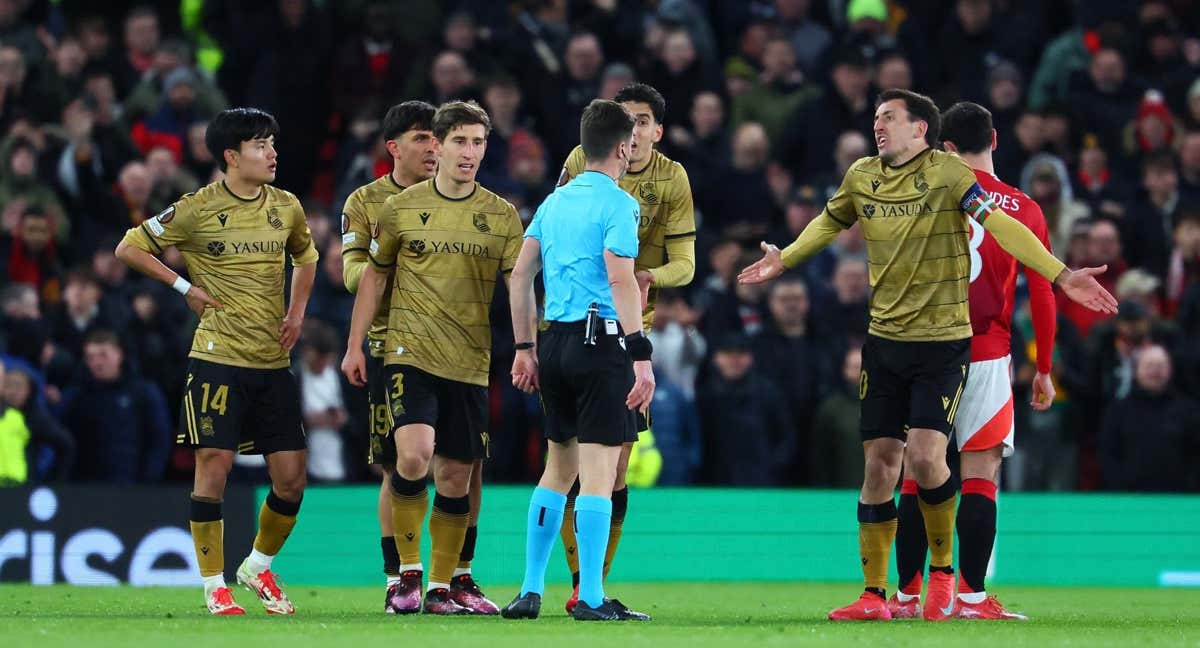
(575, 225)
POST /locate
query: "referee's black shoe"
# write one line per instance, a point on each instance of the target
(627, 614)
(526, 606)
(608, 611)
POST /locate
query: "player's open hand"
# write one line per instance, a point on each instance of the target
(644, 279)
(289, 331)
(766, 268)
(643, 387)
(1081, 286)
(1043, 392)
(198, 300)
(525, 371)
(354, 367)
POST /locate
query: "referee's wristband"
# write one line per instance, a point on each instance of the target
(522, 346)
(639, 346)
(182, 285)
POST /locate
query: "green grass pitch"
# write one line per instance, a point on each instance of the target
(685, 614)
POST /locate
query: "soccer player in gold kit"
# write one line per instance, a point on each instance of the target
(445, 240)
(913, 202)
(240, 395)
(666, 259)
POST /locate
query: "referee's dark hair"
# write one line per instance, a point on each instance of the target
(410, 115)
(646, 94)
(231, 127)
(968, 126)
(919, 107)
(604, 125)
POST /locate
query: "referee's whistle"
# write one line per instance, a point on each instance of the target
(593, 320)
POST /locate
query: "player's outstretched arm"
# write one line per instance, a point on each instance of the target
(523, 305)
(366, 301)
(627, 300)
(819, 233)
(302, 283)
(1079, 285)
(149, 265)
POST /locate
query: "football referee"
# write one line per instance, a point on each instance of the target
(592, 376)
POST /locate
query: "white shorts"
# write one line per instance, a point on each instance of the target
(985, 419)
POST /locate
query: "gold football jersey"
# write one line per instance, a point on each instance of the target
(235, 250)
(359, 216)
(447, 254)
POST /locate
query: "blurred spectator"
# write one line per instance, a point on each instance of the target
(1106, 193)
(450, 78)
(373, 63)
(170, 56)
(1154, 129)
(15, 92)
(119, 421)
(22, 330)
(1113, 344)
(676, 429)
(1189, 167)
(744, 421)
(1150, 220)
(14, 442)
(794, 360)
(723, 258)
(81, 312)
(30, 255)
(680, 75)
(681, 347)
(778, 92)
(527, 166)
(745, 208)
(21, 189)
(740, 309)
(18, 34)
(847, 315)
(1192, 120)
(562, 100)
(502, 100)
(835, 446)
(1015, 147)
(168, 181)
(978, 38)
(1005, 91)
(810, 40)
(330, 303)
(1103, 247)
(701, 148)
(893, 70)
(51, 450)
(1104, 98)
(1183, 269)
(141, 41)
(95, 150)
(615, 77)
(814, 127)
(1148, 441)
(61, 80)
(196, 156)
(849, 147)
(1058, 132)
(1045, 179)
(321, 398)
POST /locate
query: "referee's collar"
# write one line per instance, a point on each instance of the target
(601, 174)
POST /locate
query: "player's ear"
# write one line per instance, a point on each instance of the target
(231, 157)
(393, 147)
(994, 139)
(949, 146)
(658, 133)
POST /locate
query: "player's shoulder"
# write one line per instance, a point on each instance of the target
(488, 201)
(277, 197)
(211, 196)
(377, 190)
(422, 191)
(949, 163)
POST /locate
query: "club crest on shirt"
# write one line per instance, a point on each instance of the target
(345, 223)
(166, 215)
(273, 218)
(919, 182)
(648, 192)
(480, 221)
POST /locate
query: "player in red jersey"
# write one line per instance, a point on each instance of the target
(984, 424)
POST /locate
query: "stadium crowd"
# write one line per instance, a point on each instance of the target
(102, 117)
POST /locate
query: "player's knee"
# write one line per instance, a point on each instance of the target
(925, 465)
(413, 464)
(290, 488)
(881, 471)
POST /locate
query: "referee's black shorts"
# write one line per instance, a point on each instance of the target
(584, 387)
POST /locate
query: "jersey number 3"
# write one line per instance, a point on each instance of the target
(977, 233)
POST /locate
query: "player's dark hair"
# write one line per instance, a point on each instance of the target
(968, 126)
(646, 94)
(453, 114)
(103, 336)
(604, 125)
(919, 107)
(410, 115)
(231, 127)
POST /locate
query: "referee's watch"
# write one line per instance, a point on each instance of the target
(639, 346)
